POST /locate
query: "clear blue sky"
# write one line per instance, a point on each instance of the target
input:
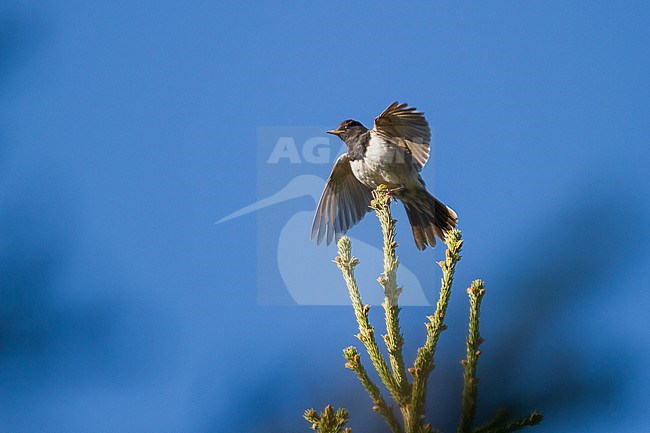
(128, 129)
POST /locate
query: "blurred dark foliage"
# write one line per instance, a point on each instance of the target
(38, 329)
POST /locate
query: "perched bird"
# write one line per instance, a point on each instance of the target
(392, 154)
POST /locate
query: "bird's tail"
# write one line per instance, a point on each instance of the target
(429, 218)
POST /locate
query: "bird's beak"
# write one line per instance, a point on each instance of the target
(335, 132)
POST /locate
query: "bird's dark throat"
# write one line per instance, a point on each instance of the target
(357, 144)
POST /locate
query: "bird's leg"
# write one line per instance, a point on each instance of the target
(395, 190)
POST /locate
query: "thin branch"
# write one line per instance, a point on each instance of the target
(506, 427)
(354, 364)
(423, 364)
(499, 419)
(394, 339)
(521, 423)
(366, 334)
(328, 421)
(474, 340)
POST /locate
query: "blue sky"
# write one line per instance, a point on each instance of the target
(129, 129)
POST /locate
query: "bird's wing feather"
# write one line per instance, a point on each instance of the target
(343, 203)
(406, 127)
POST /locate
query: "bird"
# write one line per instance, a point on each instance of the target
(392, 153)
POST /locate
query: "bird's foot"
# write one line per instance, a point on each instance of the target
(395, 190)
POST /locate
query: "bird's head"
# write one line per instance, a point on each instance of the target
(348, 129)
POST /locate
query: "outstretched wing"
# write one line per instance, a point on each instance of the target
(343, 203)
(407, 128)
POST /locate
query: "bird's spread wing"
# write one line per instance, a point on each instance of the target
(343, 203)
(407, 128)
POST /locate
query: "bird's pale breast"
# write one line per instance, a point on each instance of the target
(385, 164)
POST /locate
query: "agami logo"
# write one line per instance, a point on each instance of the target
(292, 269)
